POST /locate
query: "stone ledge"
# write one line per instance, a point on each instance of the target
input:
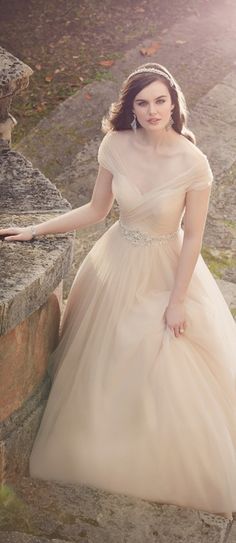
(30, 270)
(17, 433)
(39, 395)
(24, 355)
(14, 74)
(18, 537)
(78, 513)
(24, 186)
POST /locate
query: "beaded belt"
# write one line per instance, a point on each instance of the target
(137, 237)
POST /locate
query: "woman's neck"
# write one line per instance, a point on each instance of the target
(159, 138)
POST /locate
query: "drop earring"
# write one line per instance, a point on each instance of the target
(134, 123)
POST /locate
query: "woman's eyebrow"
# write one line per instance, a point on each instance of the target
(143, 99)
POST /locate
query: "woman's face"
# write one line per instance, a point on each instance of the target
(153, 106)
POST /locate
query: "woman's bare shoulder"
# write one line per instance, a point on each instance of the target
(192, 154)
(116, 134)
(114, 137)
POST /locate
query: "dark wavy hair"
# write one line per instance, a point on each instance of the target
(120, 113)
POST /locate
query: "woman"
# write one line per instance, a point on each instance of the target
(143, 397)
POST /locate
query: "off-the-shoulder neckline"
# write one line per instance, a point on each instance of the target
(199, 155)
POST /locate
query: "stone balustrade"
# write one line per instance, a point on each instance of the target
(31, 279)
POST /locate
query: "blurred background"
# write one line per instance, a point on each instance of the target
(70, 43)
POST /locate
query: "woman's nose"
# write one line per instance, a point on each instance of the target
(152, 109)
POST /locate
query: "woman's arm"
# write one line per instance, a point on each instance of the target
(197, 203)
(95, 211)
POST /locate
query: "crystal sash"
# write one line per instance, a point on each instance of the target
(138, 237)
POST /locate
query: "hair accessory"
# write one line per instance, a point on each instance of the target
(134, 123)
(153, 70)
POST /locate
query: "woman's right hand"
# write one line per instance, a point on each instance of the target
(16, 233)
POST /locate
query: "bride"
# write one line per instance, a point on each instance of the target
(143, 398)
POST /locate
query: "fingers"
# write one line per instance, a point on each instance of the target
(178, 329)
(12, 238)
(15, 234)
(15, 237)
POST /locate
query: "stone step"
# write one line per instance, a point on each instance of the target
(19, 537)
(57, 512)
(232, 534)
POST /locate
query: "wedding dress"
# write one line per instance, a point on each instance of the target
(134, 409)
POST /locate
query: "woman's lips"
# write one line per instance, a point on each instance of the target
(153, 121)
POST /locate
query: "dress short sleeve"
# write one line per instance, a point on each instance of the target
(203, 176)
(105, 155)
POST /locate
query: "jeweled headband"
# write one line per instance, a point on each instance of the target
(153, 70)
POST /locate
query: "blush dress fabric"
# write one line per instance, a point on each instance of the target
(132, 408)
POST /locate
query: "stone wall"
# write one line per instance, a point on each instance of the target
(31, 286)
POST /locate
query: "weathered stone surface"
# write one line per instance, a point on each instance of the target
(18, 537)
(229, 291)
(25, 189)
(30, 270)
(14, 74)
(17, 433)
(216, 125)
(213, 106)
(24, 353)
(6, 128)
(67, 130)
(81, 174)
(232, 534)
(31, 287)
(65, 512)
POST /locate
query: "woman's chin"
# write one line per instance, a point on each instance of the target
(155, 127)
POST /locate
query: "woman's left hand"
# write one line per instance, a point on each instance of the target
(175, 318)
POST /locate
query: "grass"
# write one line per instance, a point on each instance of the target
(233, 311)
(13, 511)
(218, 261)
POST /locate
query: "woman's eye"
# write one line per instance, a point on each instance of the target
(161, 101)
